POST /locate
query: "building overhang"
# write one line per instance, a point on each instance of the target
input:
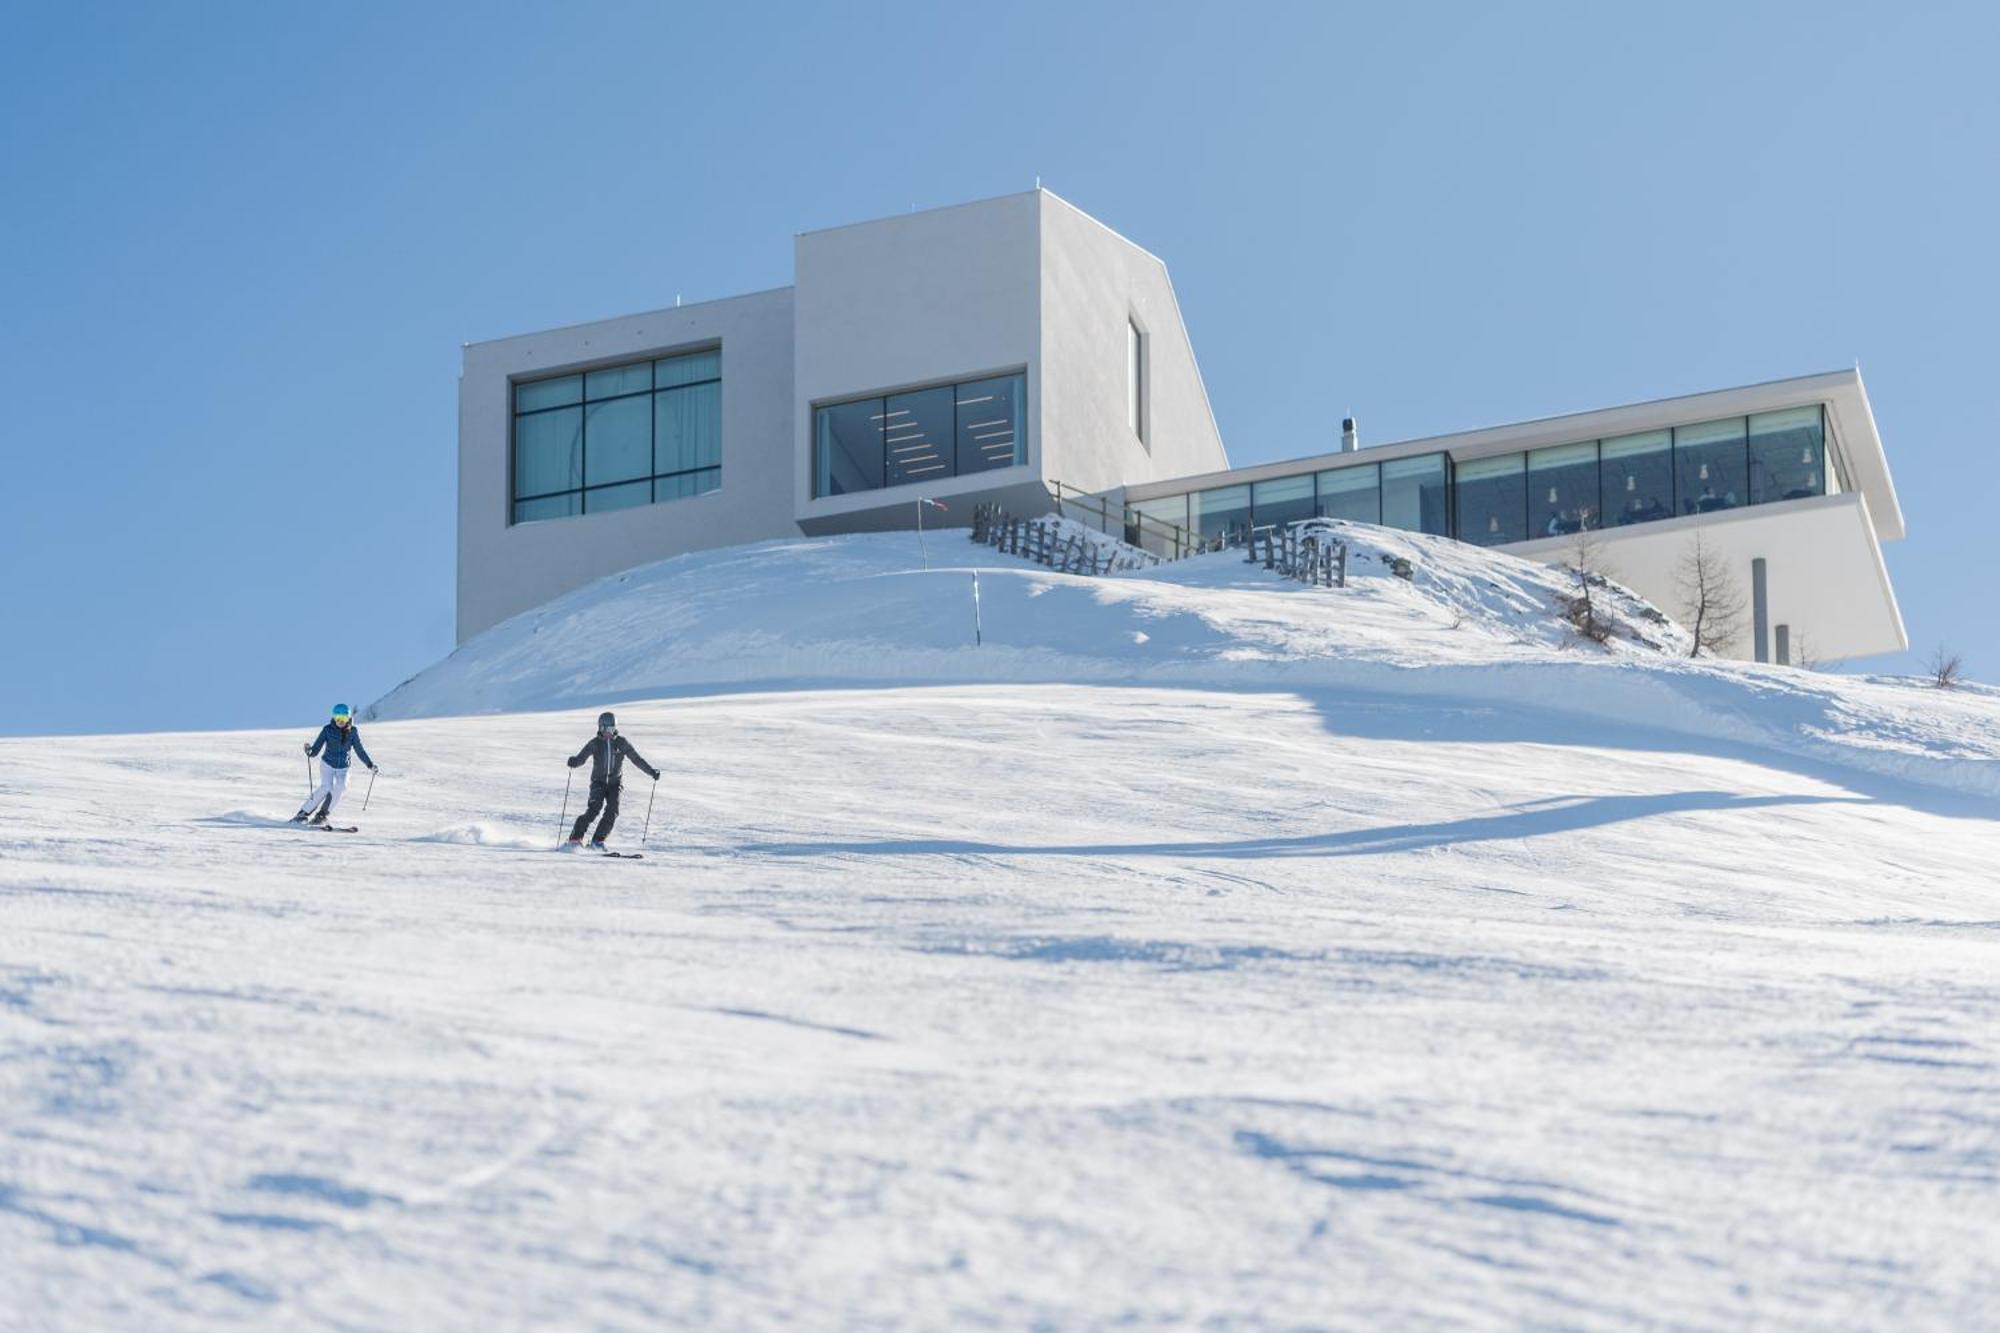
(1850, 421)
(1824, 566)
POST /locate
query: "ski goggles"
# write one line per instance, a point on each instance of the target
(343, 717)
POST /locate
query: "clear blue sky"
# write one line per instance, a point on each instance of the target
(243, 243)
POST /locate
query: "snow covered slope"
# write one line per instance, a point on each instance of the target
(1472, 627)
(1265, 983)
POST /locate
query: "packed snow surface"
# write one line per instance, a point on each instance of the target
(1323, 959)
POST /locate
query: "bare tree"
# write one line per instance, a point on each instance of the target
(1947, 668)
(1583, 608)
(1712, 601)
(1803, 655)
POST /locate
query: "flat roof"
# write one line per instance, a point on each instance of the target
(1851, 429)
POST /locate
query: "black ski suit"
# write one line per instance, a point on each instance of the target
(607, 763)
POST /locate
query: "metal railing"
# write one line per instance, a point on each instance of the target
(1176, 542)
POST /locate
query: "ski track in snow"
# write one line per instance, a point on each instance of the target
(1010, 1004)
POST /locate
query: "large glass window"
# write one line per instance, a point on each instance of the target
(1282, 499)
(1351, 492)
(1787, 455)
(618, 441)
(1638, 475)
(1159, 525)
(603, 499)
(922, 436)
(1562, 490)
(617, 437)
(538, 394)
(1223, 512)
(687, 440)
(847, 447)
(990, 433)
(1711, 466)
(1493, 500)
(918, 434)
(1415, 494)
(548, 452)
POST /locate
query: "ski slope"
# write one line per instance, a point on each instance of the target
(1324, 959)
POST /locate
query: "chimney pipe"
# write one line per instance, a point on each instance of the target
(1350, 439)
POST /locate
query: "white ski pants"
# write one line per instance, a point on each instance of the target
(332, 786)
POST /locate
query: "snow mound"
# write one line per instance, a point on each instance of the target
(484, 835)
(246, 819)
(1467, 628)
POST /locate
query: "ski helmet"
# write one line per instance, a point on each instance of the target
(342, 711)
(606, 722)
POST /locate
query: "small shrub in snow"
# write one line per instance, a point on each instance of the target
(1947, 668)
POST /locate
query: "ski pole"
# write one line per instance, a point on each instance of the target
(564, 817)
(648, 827)
(309, 776)
(370, 792)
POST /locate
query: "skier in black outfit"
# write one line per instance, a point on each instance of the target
(606, 752)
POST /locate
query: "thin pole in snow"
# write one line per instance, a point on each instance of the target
(921, 545)
(978, 635)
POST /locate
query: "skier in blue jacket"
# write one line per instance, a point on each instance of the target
(336, 738)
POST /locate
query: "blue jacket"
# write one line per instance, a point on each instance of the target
(338, 741)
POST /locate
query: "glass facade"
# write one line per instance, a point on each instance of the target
(1699, 468)
(1712, 465)
(615, 438)
(1638, 477)
(905, 439)
(1787, 455)
(1223, 512)
(1562, 490)
(1492, 498)
(1350, 492)
(1415, 494)
(1283, 499)
(1408, 493)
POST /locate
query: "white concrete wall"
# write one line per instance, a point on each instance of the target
(1823, 570)
(1092, 282)
(930, 297)
(503, 569)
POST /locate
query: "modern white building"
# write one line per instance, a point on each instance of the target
(996, 350)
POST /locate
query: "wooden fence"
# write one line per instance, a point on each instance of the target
(1314, 556)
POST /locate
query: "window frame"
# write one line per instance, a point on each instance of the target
(583, 402)
(1138, 380)
(954, 385)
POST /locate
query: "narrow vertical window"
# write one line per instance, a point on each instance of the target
(1135, 380)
